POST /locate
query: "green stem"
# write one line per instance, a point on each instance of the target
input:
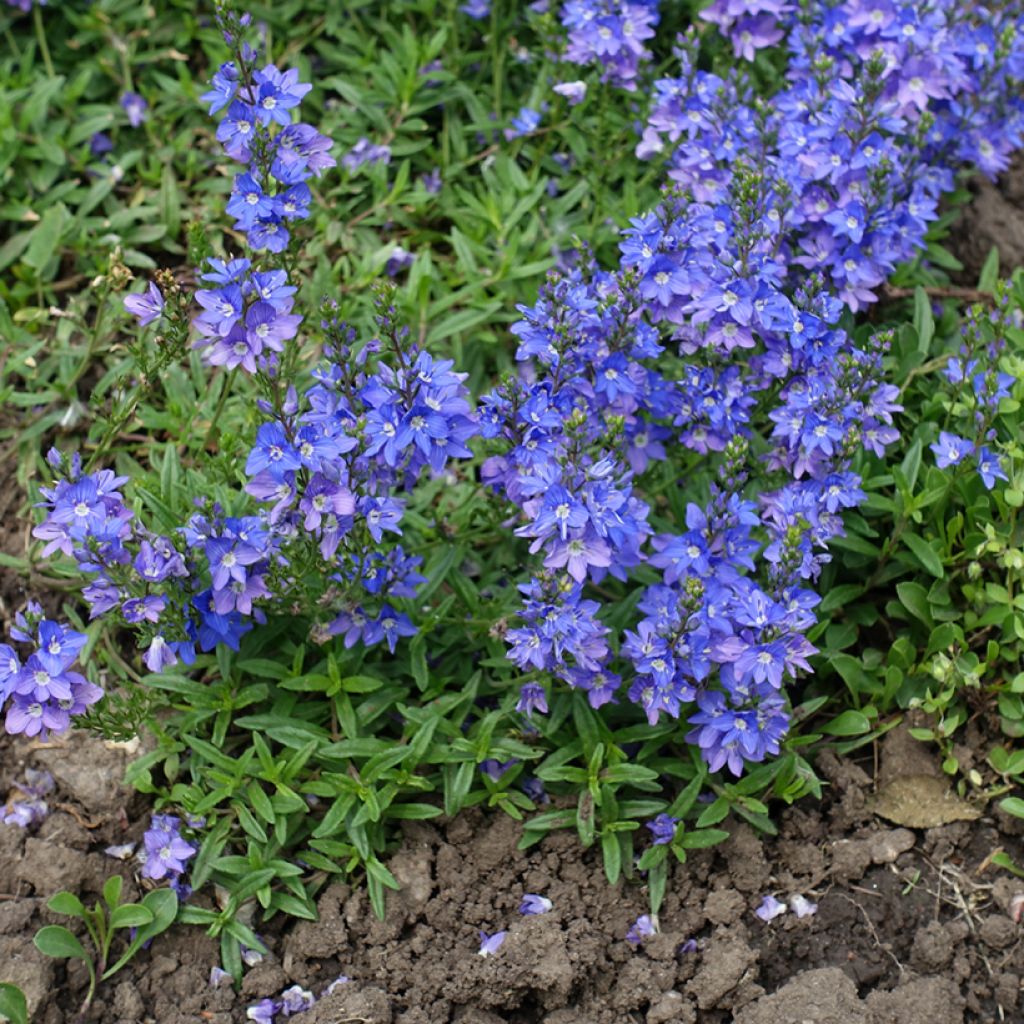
(87, 1002)
(94, 338)
(13, 44)
(37, 17)
(221, 402)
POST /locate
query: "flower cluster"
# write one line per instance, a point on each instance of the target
(978, 386)
(884, 101)
(294, 999)
(782, 216)
(27, 806)
(594, 413)
(334, 464)
(329, 468)
(42, 692)
(247, 318)
(257, 129)
(611, 35)
(165, 852)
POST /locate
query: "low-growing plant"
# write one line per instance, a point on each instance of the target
(144, 921)
(934, 614)
(368, 571)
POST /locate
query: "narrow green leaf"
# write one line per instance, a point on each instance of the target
(925, 554)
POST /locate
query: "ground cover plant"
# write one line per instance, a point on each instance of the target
(397, 453)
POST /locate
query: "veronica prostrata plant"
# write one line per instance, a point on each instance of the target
(362, 588)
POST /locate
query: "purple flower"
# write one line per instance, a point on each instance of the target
(100, 143)
(950, 449)
(524, 123)
(277, 93)
(296, 1000)
(532, 904)
(490, 944)
(252, 957)
(770, 909)
(340, 980)
(495, 769)
(663, 828)
(262, 1012)
(122, 852)
(219, 977)
(135, 107)
(365, 152)
(147, 306)
(801, 906)
(476, 9)
(643, 927)
(24, 813)
(574, 92)
(398, 261)
(989, 467)
(166, 852)
(532, 698)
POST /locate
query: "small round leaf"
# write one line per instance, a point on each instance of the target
(58, 942)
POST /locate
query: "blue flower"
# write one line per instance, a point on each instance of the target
(989, 467)
(950, 449)
(135, 107)
(532, 698)
(663, 828)
(532, 904)
(146, 307)
(490, 944)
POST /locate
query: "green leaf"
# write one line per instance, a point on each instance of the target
(851, 670)
(611, 852)
(56, 941)
(67, 903)
(849, 723)
(914, 598)
(163, 905)
(924, 320)
(112, 890)
(911, 464)
(657, 879)
(989, 276)
(925, 554)
(714, 812)
(13, 1004)
(1013, 805)
(131, 915)
(702, 838)
(45, 237)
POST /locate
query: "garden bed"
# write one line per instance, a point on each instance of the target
(912, 925)
(899, 899)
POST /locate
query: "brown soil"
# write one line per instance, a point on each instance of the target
(994, 217)
(912, 927)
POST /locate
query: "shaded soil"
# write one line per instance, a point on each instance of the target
(993, 218)
(912, 926)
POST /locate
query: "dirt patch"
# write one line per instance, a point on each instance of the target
(911, 926)
(994, 217)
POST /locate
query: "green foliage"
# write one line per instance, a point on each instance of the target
(926, 594)
(303, 757)
(154, 915)
(13, 1006)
